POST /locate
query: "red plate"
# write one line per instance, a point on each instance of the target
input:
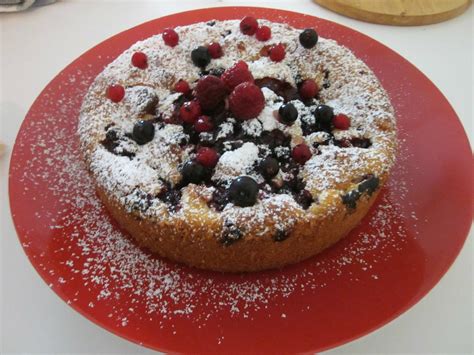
(397, 254)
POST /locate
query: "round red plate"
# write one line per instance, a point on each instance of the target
(398, 253)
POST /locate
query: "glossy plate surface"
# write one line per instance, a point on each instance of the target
(398, 253)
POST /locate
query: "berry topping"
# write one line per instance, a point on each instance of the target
(246, 101)
(211, 92)
(190, 111)
(308, 38)
(236, 74)
(341, 121)
(140, 60)
(324, 115)
(182, 86)
(288, 113)
(350, 199)
(111, 135)
(279, 87)
(280, 235)
(200, 56)
(249, 25)
(301, 153)
(115, 93)
(263, 33)
(207, 157)
(369, 185)
(215, 50)
(203, 124)
(277, 53)
(269, 167)
(304, 198)
(143, 132)
(308, 89)
(360, 142)
(243, 191)
(193, 172)
(170, 37)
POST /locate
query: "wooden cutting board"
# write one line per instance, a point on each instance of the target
(398, 12)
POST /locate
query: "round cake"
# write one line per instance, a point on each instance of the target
(237, 145)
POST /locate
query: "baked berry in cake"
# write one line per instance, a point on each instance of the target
(237, 145)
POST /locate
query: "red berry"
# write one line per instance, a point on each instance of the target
(190, 111)
(263, 33)
(341, 121)
(170, 37)
(210, 91)
(242, 64)
(207, 157)
(246, 101)
(140, 60)
(215, 50)
(203, 124)
(116, 93)
(277, 53)
(182, 86)
(308, 89)
(236, 74)
(301, 153)
(249, 25)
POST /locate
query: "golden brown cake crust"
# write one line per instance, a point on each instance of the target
(201, 248)
(343, 181)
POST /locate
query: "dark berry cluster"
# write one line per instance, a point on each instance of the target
(233, 92)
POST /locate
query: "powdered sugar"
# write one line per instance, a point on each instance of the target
(252, 128)
(226, 128)
(352, 89)
(267, 116)
(124, 175)
(237, 162)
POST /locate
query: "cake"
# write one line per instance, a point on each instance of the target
(237, 145)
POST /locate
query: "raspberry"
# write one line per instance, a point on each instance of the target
(277, 53)
(243, 64)
(341, 121)
(170, 37)
(249, 25)
(301, 153)
(308, 89)
(207, 157)
(215, 50)
(140, 60)
(115, 93)
(246, 101)
(263, 33)
(210, 91)
(190, 111)
(203, 124)
(237, 74)
(182, 86)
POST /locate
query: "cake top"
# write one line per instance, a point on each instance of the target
(244, 119)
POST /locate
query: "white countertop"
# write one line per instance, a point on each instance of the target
(37, 44)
